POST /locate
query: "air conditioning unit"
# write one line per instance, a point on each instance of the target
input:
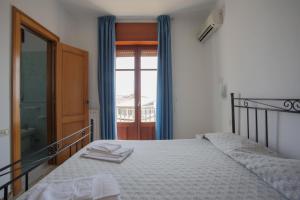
(212, 23)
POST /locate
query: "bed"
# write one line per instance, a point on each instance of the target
(195, 169)
(178, 169)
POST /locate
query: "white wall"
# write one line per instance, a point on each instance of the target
(191, 79)
(53, 17)
(191, 76)
(256, 53)
(84, 34)
(5, 81)
(192, 93)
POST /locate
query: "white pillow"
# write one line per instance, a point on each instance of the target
(228, 142)
(282, 174)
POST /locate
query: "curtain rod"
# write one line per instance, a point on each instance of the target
(136, 19)
(141, 19)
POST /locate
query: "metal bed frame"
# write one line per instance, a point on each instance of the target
(266, 105)
(52, 150)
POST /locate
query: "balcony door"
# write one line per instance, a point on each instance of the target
(136, 77)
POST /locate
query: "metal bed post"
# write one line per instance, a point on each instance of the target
(267, 129)
(232, 113)
(26, 181)
(92, 130)
(256, 125)
(6, 192)
(248, 127)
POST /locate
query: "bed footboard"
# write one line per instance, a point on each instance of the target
(26, 165)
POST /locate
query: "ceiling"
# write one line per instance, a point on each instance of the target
(138, 8)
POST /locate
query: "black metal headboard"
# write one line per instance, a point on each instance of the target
(265, 105)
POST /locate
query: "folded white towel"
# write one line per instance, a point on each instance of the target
(107, 157)
(99, 187)
(106, 147)
(117, 153)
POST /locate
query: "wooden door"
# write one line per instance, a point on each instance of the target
(71, 96)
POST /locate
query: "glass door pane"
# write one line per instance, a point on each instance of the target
(148, 85)
(125, 95)
(149, 62)
(125, 63)
(148, 96)
(33, 91)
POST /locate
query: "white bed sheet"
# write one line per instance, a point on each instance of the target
(179, 169)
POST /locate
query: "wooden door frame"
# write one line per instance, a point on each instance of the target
(19, 20)
(137, 48)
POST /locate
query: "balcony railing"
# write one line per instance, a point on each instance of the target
(148, 114)
(127, 114)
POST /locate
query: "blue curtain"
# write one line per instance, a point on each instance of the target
(164, 108)
(106, 76)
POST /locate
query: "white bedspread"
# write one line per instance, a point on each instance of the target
(170, 170)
